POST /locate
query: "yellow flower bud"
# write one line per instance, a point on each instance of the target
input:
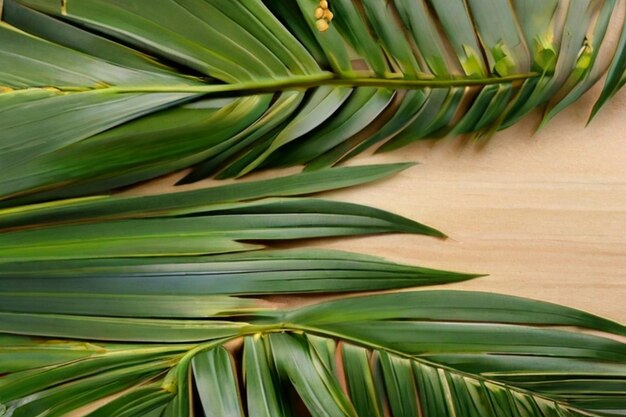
(322, 25)
(328, 15)
(324, 4)
(319, 13)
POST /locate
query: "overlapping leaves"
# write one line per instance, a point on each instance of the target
(430, 353)
(101, 94)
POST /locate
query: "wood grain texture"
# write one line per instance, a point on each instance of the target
(544, 214)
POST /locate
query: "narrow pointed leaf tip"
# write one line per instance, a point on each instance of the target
(196, 286)
(185, 202)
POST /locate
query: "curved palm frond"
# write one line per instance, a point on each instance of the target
(428, 353)
(116, 92)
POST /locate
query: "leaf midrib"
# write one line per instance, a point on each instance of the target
(253, 329)
(302, 82)
(426, 362)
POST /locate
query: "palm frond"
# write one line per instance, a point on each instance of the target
(116, 92)
(429, 353)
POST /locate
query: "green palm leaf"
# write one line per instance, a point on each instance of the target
(210, 199)
(429, 353)
(190, 252)
(222, 220)
(133, 306)
(116, 92)
(200, 280)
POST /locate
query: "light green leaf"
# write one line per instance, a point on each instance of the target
(216, 383)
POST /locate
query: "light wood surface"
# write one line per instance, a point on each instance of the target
(544, 214)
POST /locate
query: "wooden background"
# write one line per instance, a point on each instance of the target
(544, 214)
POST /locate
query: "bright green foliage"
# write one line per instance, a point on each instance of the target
(430, 353)
(98, 94)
